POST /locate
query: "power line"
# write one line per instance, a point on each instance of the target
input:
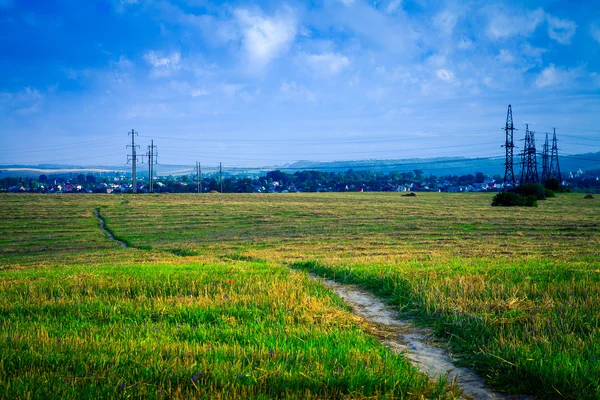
(133, 159)
(374, 139)
(554, 170)
(529, 173)
(546, 170)
(152, 161)
(509, 174)
(58, 147)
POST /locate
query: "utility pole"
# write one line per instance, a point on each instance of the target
(554, 171)
(200, 173)
(152, 160)
(133, 158)
(198, 190)
(529, 172)
(545, 164)
(509, 174)
(221, 176)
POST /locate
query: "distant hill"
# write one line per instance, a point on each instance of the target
(447, 165)
(436, 166)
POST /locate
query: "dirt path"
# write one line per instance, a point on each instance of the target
(403, 336)
(108, 233)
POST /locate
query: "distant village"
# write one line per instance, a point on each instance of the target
(281, 182)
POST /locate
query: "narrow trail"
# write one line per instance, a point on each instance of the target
(108, 233)
(402, 336)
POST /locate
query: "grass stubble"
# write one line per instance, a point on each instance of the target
(202, 304)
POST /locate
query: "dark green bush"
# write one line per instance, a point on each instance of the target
(531, 189)
(509, 199)
(549, 193)
(553, 184)
(527, 201)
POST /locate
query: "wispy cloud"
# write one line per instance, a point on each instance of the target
(445, 21)
(292, 91)
(504, 24)
(444, 75)
(347, 3)
(327, 63)
(163, 65)
(393, 6)
(553, 77)
(505, 56)
(561, 30)
(595, 32)
(264, 37)
(25, 102)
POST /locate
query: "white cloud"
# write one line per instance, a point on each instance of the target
(291, 90)
(265, 38)
(327, 63)
(163, 65)
(393, 6)
(503, 25)
(505, 56)
(445, 21)
(534, 52)
(26, 102)
(465, 44)
(232, 89)
(595, 32)
(445, 75)
(121, 5)
(199, 92)
(347, 3)
(561, 30)
(437, 60)
(552, 76)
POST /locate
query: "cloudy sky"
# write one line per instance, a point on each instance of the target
(264, 83)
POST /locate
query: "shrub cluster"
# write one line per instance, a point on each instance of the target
(524, 196)
(508, 199)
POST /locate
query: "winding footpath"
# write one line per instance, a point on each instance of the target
(403, 336)
(102, 226)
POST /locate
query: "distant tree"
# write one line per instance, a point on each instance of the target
(43, 178)
(552, 184)
(479, 177)
(90, 179)
(418, 174)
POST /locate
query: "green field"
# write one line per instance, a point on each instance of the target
(212, 299)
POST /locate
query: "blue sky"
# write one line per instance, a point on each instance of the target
(264, 83)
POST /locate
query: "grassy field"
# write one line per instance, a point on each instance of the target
(513, 290)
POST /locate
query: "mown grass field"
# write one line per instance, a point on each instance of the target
(515, 292)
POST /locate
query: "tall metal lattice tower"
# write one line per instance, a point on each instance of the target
(529, 173)
(152, 161)
(509, 174)
(545, 161)
(133, 158)
(554, 170)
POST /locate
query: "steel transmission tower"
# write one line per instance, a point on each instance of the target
(545, 161)
(133, 159)
(221, 176)
(152, 161)
(554, 171)
(529, 172)
(509, 175)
